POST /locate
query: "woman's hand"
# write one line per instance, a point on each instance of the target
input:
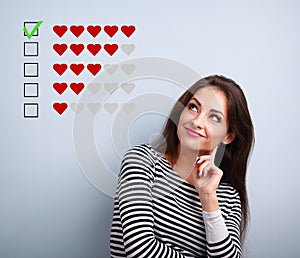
(206, 177)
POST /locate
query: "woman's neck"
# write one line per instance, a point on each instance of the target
(185, 163)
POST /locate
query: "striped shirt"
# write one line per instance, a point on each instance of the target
(159, 214)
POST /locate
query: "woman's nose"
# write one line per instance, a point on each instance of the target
(200, 120)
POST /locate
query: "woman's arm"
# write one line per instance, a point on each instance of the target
(222, 232)
(222, 227)
(135, 206)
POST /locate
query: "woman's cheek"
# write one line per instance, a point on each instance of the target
(212, 140)
(178, 134)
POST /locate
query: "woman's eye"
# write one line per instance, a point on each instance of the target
(193, 107)
(215, 118)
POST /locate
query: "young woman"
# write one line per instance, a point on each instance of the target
(172, 200)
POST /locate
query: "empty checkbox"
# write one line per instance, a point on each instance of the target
(31, 110)
(31, 90)
(31, 48)
(31, 69)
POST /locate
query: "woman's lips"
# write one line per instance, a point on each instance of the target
(193, 133)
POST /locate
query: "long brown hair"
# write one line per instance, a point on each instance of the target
(233, 157)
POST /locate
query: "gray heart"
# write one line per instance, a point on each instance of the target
(94, 87)
(93, 107)
(128, 107)
(77, 107)
(128, 68)
(111, 68)
(111, 107)
(128, 87)
(110, 87)
(128, 48)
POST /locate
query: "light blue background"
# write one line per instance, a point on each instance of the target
(49, 209)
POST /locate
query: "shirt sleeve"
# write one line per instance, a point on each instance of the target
(222, 231)
(135, 206)
(214, 226)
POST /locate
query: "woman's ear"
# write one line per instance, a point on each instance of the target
(229, 138)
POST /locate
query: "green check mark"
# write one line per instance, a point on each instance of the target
(29, 35)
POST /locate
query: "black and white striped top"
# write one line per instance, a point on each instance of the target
(159, 214)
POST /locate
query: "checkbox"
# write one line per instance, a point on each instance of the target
(31, 48)
(31, 110)
(31, 90)
(30, 26)
(31, 69)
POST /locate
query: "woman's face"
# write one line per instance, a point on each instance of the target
(203, 123)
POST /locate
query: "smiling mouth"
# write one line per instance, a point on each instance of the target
(194, 133)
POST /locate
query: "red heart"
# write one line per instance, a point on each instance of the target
(94, 68)
(60, 30)
(77, 68)
(60, 107)
(111, 30)
(60, 68)
(94, 30)
(60, 48)
(77, 30)
(60, 87)
(77, 87)
(111, 48)
(128, 30)
(77, 48)
(94, 48)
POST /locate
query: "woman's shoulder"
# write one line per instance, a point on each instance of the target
(143, 149)
(143, 152)
(138, 161)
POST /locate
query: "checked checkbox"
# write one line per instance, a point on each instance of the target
(31, 29)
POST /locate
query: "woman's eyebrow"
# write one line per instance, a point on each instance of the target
(198, 102)
(217, 111)
(212, 110)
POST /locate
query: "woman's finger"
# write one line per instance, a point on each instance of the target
(202, 166)
(213, 154)
(210, 168)
(202, 159)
